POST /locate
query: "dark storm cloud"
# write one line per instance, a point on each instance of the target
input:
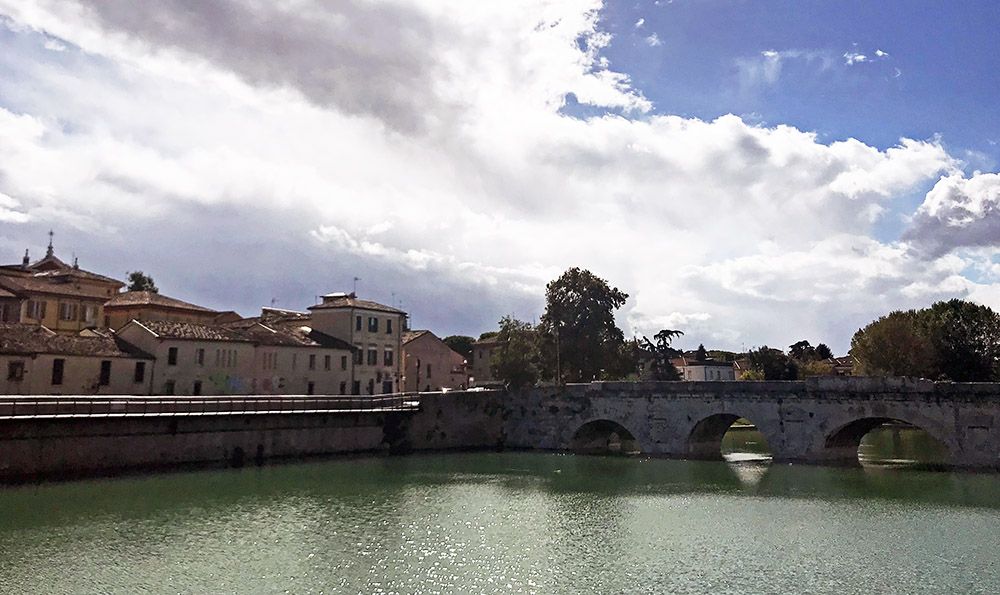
(360, 57)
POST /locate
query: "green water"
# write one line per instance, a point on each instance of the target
(502, 523)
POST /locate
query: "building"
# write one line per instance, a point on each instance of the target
(702, 370)
(35, 360)
(430, 365)
(291, 358)
(375, 331)
(195, 359)
(51, 293)
(482, 357)
(149, 305)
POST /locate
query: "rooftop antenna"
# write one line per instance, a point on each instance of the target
(50, 250)
(274, 301)
(356, 279)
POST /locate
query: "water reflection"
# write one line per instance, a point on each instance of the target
(506, 522)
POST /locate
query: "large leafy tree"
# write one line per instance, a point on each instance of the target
(954, 340)
(660, 354)
(460, 344)
(966, 339)
(139, 281)
(773, 364)
(579, 322)
(896, 344)
(516, 360)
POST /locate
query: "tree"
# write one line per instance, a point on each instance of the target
(965, 338)
(579, 323)
(660, 352)
(773, 364)
(460, 344)
(897, 344)
(815, 367)
(823, 352)
(701, 354)
(516, 361)
(802, 351)
(138, 281)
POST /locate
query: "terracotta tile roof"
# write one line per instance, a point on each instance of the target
(6, 294)
(191, 331)
(691, 362)
(21, 285)
(291, 333)
(340, 300)
(150, 298)
(78, 274)
(411, 335)
(28, 339)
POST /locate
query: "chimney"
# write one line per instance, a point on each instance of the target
(25, 261)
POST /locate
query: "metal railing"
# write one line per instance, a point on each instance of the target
(21, 407)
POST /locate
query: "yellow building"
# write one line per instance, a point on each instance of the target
(51, 293)
(374, 329)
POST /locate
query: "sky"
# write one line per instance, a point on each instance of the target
(749, 172)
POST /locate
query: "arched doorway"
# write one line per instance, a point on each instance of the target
(729, 437)
(604, 436)
(887, 442)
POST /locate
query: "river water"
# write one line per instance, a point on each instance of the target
(507, 522)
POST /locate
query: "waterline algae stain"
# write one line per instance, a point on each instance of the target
(501, 523)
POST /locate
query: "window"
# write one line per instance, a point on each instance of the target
(359, 354)
(199, 357)
(312, 361)
(218, 358)
(343, 363)
(388, 326)
(356, 387)
(311, 388)
(372, 324)
(343, 388)
(58, 366)
(196, 387)
(36, 310)
(15, 371)
(5, 313)
(387, 387)
(140, 372)
(67, 311)
(105, 378)
(168, 387)
(172, 356)
(357, 323)
(88, 314)
(387, 357)
(327, 362)
(373, 357)
(429, 375)
(371, 386)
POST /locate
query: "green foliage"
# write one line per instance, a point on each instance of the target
(488, 335)
(773, 364)
(752, 374)
(701, 354)
(581, 337)
(815, 368)
(660, 353)
(516, 361)
(138, 281)
(823, 352)
(802, 351)
(954, 340)
(460, 344)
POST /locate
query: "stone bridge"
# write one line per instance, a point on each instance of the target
(819, 421)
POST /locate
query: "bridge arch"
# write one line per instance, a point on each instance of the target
(706, 436)
(842, 444)
(604, 436)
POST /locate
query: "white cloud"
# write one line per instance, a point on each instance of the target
(654, 40)
(958, 212)
(640, 23)
(9, 212)
(852, 58)
(424, 142)
(881, 54)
